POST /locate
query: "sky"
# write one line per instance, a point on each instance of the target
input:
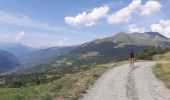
(47, 23)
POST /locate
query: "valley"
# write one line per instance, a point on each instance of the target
(84, 50)
(67, 72)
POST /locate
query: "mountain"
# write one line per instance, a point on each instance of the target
(105, 50)
(147, 38)
(7, 61)
(119, 45)
(150, 39)
(16, 48)
(44, 55)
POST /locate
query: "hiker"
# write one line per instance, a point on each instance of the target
(132, 58)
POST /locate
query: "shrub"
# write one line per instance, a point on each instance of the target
(46, 97)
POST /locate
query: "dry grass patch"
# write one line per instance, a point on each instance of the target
(162, 69)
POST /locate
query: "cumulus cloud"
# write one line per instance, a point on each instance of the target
(88, 19)
(63, 41)
(151, 8)
(134, 28)
(124, 15)
(162, 27)
(23, 20)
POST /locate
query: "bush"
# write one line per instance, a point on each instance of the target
(19, 97)
(46, 97)
(147, 53)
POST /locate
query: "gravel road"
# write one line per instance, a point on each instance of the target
(124, 83)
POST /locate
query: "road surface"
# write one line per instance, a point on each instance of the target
(124, 83)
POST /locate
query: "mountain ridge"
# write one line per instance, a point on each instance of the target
(119, 45)
(112, 48)
(8, 61)
(17, 49)
(44, 55)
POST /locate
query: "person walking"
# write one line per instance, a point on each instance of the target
(132, 58)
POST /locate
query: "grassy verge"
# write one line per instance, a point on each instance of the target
(69, 87)
(162, 69)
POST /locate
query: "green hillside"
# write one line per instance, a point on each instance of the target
(70, 86)
(68, 76)
(8, 61)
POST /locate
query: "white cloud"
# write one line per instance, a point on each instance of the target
(33, 39)
(151, 8)
(20, 36)
(63, 42)
(23, 20)
(88, 19)
(6, 38)
(162, 27)
(124, 15)
(134, 28)
(15, 37)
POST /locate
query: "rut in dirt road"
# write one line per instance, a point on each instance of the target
(131, 89)
(123, 83)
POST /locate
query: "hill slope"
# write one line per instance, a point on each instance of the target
(7, 61)
(119, 45)
(108, 49)
(16, 48)
(44, 55)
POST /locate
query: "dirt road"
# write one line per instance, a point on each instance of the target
(124, 83)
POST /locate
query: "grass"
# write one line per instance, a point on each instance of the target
(69, 87)
(162, 57)
(89, 54)
(162, 69)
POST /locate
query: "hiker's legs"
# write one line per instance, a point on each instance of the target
(133, 62)
(130, 62)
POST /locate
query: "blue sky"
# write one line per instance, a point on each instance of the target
(45, 23)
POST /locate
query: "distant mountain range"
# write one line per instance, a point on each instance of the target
(116, 47)
(44, 55)
(28, 56)
(108, 49)
(16, 48)
(8, 61)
